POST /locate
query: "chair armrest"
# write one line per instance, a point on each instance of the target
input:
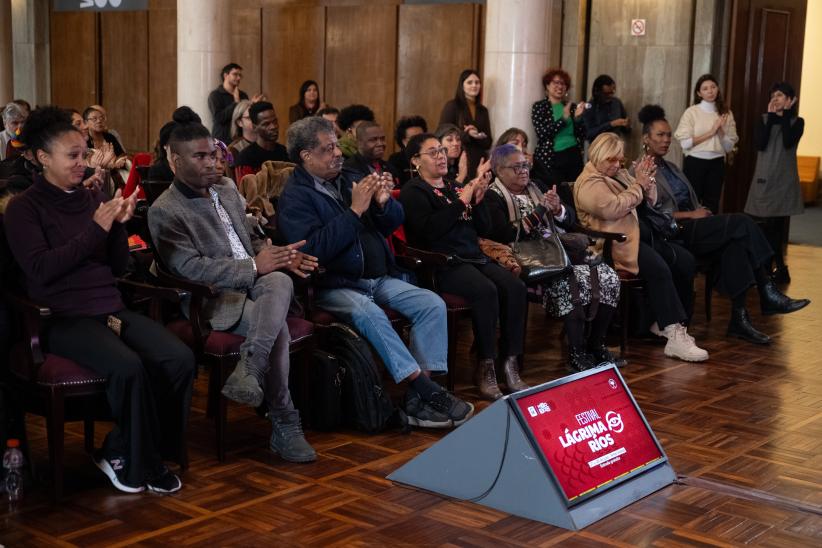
(34, 315)
(196, 289)
(409, 263)
(429, 258)
(612, 236)
(172, 295)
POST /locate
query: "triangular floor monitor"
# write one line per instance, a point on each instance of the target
(466, 463)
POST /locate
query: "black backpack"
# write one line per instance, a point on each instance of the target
(327, 377)
(365, 403)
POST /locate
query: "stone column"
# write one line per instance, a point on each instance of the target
(32, 66)
(6, 54)
(521, 42)
(203, 48)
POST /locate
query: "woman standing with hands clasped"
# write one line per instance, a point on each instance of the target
(775, 192)
(439, 219)
(560, 131)
(467, 112)
(707, 133)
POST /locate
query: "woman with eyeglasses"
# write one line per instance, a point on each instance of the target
(440, 219)
(518, 208)
(606, 198)
(560, 131)
(242, 133)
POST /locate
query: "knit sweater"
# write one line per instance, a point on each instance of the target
(68, 260)
(698, 120)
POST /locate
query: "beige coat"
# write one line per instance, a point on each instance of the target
(604, 204)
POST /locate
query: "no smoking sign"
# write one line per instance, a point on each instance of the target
(637, 27)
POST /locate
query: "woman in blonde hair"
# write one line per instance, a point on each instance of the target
(607, 197)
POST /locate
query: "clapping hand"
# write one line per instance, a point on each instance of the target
(552, 202)
(645, 171)
(580, 109)
(383, 190)
(462, 170)
(117, 209)
(362, 192)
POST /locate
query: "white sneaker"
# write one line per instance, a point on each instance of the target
(681, 345)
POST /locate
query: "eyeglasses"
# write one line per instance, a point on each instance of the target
(433, 153)
(615, 160)
(520, 167)
(559, 83)
(96, 118)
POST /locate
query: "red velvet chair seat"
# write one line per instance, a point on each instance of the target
(322, 317)
(218, 343)
(455, 302)
(60, 370)
(299, 328)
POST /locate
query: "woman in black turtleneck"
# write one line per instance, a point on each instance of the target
(439, 219)
(70, 245)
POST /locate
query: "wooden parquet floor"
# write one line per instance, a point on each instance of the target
(750, 418)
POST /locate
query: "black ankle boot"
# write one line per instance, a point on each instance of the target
(740, 327)
(774, 301)
(780, 275)
(601, 355)
(580, 360)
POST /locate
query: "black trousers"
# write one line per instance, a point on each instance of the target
(736, 242)
(150, 375)
(682, 265)
(494, 293)
(565, 167)
(707, 177)
(662, 291)
(776, 232)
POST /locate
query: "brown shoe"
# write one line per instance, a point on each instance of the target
(486, 380)
(511, 371)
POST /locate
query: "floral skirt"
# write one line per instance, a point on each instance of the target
(556, 294)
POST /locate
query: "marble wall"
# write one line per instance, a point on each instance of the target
(683, 39)
(30, 34)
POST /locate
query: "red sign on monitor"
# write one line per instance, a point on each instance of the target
(589, 431)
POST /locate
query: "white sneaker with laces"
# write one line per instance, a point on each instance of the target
(681, 345)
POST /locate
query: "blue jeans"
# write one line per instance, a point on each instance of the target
(360, 307)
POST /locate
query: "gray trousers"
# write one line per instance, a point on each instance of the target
(266, 336)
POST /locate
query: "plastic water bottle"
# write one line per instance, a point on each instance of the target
(13, 465)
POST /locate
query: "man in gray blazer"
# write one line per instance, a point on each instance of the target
(200, 230)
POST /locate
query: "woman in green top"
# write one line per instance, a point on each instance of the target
(560, 131)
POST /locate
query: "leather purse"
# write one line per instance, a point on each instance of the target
(660, 221)
(540, 258)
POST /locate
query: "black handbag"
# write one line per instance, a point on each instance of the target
(660, 221)
(540, 258)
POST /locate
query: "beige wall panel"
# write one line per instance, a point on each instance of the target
(246, 47)
(124, 75)
(427, 72)
(293, 42)
(73, 59)
(162, 66)
(361, 55)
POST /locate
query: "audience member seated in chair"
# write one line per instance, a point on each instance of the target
(345, 225)
(743, 252)
(347, 121)
(407, 127)
(370, 152)
(607, 198)
(160, 170)
(266, 147)
(199, 230)
(70, 245)
(519, 209)
(441, 220)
